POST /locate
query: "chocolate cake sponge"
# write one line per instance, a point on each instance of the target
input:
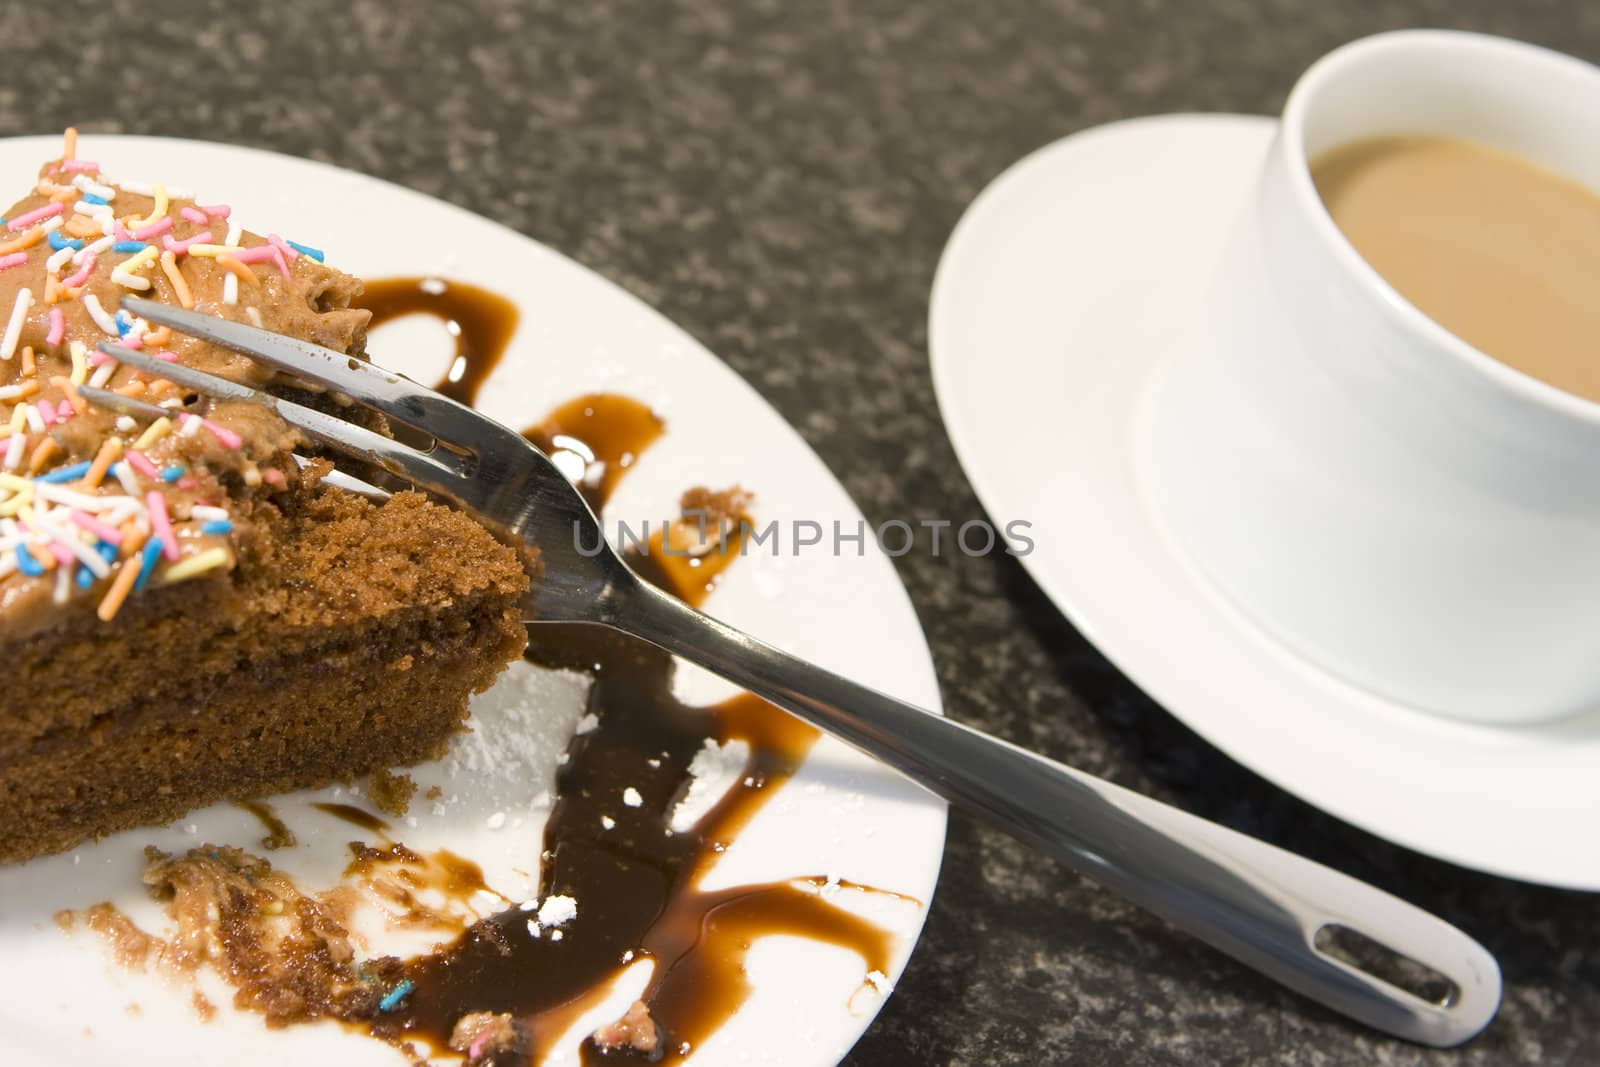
(347, 641)
(186, 615)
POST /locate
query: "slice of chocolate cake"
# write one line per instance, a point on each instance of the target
(185, 614)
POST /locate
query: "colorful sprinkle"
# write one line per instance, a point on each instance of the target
(38, 214)
(216, 527)
(19, 314)
(314, 253)
(59, 242)
(391, 1000)
(128, 246)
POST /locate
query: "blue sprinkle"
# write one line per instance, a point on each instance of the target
(147, 563)
(124, 323)
(125, 246)
(92, 199)
(58, 242)
(85, 577)
(27, 564)
(391, 1000)
(216, 526)
(171, 474)
(66, 474)
(107, 551)
(306, 250)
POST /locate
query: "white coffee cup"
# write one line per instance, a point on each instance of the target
(1394, 505)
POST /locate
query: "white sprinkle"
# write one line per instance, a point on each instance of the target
(125, 475)
(102, 378)
(92, 187)
(91, 304)
(587, 725)
(528, 905)
(252, 313)
(125, 423)
(495, 821)
(63, 585)
(132, 281)
(146, 189)
(35, 420)
(192, 424)
(230, 288)
(631, 797)
(19, 314)
(94, 248)
(607, 822)
(557, 910)
(59, 259)
(11, 392)
(14, 451)
(207, 513)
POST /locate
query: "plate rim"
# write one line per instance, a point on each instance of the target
(894, 585)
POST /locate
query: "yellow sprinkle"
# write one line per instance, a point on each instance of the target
(199, 563)
(169, 266)
(156, 212)
(19, 419)
(14, 505)
(80, 364)
(141, 258)
(16, 482)
(214, 250)
(156, 432)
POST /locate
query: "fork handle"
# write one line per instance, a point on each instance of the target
(1258, 903)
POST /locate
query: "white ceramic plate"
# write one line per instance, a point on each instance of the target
(63, 1001)
(1068, 286)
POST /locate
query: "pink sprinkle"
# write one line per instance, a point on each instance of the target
(283, 266)
(64, 411)
(83, 273)
(15, 259)
(139, 462)
(230, 439)
(274, 477)
(165, 356)
(120, 232)
(160, 525)
(160, 226)
(133, 341)
(99, 359)
(80, 164)
(62, 553)
(220, 211)
(187, 482)
(194, 215)
(283, 246)
(254, 255)
(47, 412)
(38, 214)
(180, 247)
(58, 327)
(106, 533)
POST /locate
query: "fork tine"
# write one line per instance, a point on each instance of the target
(364, 382)
(440, 472)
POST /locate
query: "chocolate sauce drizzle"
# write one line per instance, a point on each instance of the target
(636, 882)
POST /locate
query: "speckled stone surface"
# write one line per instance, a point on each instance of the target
(779, 178)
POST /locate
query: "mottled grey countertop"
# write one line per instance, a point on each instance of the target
(779, 178)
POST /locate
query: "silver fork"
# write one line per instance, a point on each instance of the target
(1284, 915)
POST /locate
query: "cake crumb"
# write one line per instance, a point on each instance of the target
(204, 1007)
(433, 793)
(392, 792)
(557, 910)
(631, 797)
(587, 725)
(636, 1030)
(65, 919)
(483, 1035)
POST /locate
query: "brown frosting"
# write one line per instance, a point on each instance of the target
(226, 463)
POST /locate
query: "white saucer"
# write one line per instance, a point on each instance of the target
(1065, 290)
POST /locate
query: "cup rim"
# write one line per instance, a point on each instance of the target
(1412, 318)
